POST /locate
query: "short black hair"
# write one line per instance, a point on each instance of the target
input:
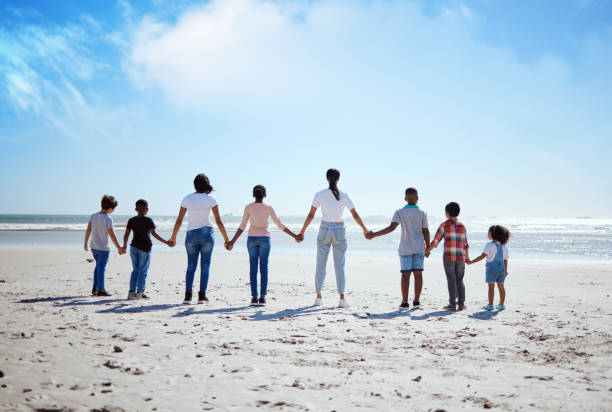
(452, 209)
(202, 184)
(108, 202)
(142, 204)
(259, 192)
(412, 191)
(499, 233)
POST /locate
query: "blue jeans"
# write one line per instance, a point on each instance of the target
(140, 264)
(330, 235)
(259, 252)
(101, 258)
(198, 242)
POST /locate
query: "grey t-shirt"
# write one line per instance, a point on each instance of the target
(100, 223)
(412, 220)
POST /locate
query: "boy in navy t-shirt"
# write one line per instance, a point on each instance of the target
(140, 248)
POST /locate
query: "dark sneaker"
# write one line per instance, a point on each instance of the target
(254, 301)
(262, 300)
(449, 307)
(94, 291)
(416, 303)
(404, 305)
(461, 307)
(103, 293)
(144, 296)
(202, 297)
(187, 300)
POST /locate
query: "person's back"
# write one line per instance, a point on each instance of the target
(100, 223)
(259, 214)
(412, 221)
(332, 209)
(198, 207)
(141, 226)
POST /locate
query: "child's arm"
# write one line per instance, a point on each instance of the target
(385, 231)
(230, 245)
(293, 235)
(111, 233)
(506, 266)
(87, 233)
(437, 239)
(126, 236)
(282, 227)
(156, 236)
(478, 259)
(426, 237)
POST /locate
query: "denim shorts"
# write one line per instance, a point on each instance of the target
(412, 262)
(495, 272)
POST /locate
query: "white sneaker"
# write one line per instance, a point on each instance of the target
(131, 296)
(318, 302)
(343, 304)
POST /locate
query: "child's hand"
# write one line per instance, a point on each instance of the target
(468, 262)
(121, 251)
(171, 242)
(427, 253)
(300, 238)
(229, 245)
(369, 235)
(85, 247)
(507, 274)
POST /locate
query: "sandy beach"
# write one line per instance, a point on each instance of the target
(64, 350)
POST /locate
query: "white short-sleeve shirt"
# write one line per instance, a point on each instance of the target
(198, 207)
(491, 250)
(332, 209)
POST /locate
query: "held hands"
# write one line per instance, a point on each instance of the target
(121, 250)
(299, 238)
(370, 235)
(229, 245)
(171, 242)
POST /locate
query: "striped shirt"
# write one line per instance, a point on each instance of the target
(455, 239)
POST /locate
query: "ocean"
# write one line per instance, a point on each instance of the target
(532, 239)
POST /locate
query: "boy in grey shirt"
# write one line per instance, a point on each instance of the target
(100, 227)
(413, 243)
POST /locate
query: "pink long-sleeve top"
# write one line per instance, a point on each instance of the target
(259, 213)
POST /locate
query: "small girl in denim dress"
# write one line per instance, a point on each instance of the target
(496, 253)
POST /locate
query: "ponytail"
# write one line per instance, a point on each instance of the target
(333, 175)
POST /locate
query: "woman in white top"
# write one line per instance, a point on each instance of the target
(199, 240)
(331, 233)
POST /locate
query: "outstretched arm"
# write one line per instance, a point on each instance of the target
(478, 259)
(111, 233)
(158, 237)
(177, 226)
(385, 231)
(307, 222)
(358, 220)
(230, 244)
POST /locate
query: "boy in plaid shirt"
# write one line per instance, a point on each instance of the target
(455, 245)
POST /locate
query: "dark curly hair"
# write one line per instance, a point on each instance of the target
(259, 192)
(500, 234)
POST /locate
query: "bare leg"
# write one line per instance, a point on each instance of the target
(491, 292)
(319, 296)
(342, 296)
(405, 286)
(418, 285)
(502, 293)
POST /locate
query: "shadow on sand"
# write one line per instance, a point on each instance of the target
(191, 311)
(52, 299)
(286, 313)
(128, 308)
(404, 313)
(484, 315)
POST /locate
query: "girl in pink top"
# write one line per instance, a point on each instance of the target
(258, 242)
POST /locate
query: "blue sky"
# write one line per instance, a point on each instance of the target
(501, 106)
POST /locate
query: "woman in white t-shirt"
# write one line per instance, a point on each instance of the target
(199, 240)
(331, 233)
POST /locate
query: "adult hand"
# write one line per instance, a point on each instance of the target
(300, 237)
(369, 235)
(427, 253)
(121, 251)
(229, 245)
(171, 242)
(85, 247)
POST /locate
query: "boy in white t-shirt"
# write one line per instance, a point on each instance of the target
(413, 243)
(496, 253)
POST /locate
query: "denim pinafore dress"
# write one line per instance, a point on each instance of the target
(496, 267)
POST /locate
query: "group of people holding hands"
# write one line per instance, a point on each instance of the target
(415, 244)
